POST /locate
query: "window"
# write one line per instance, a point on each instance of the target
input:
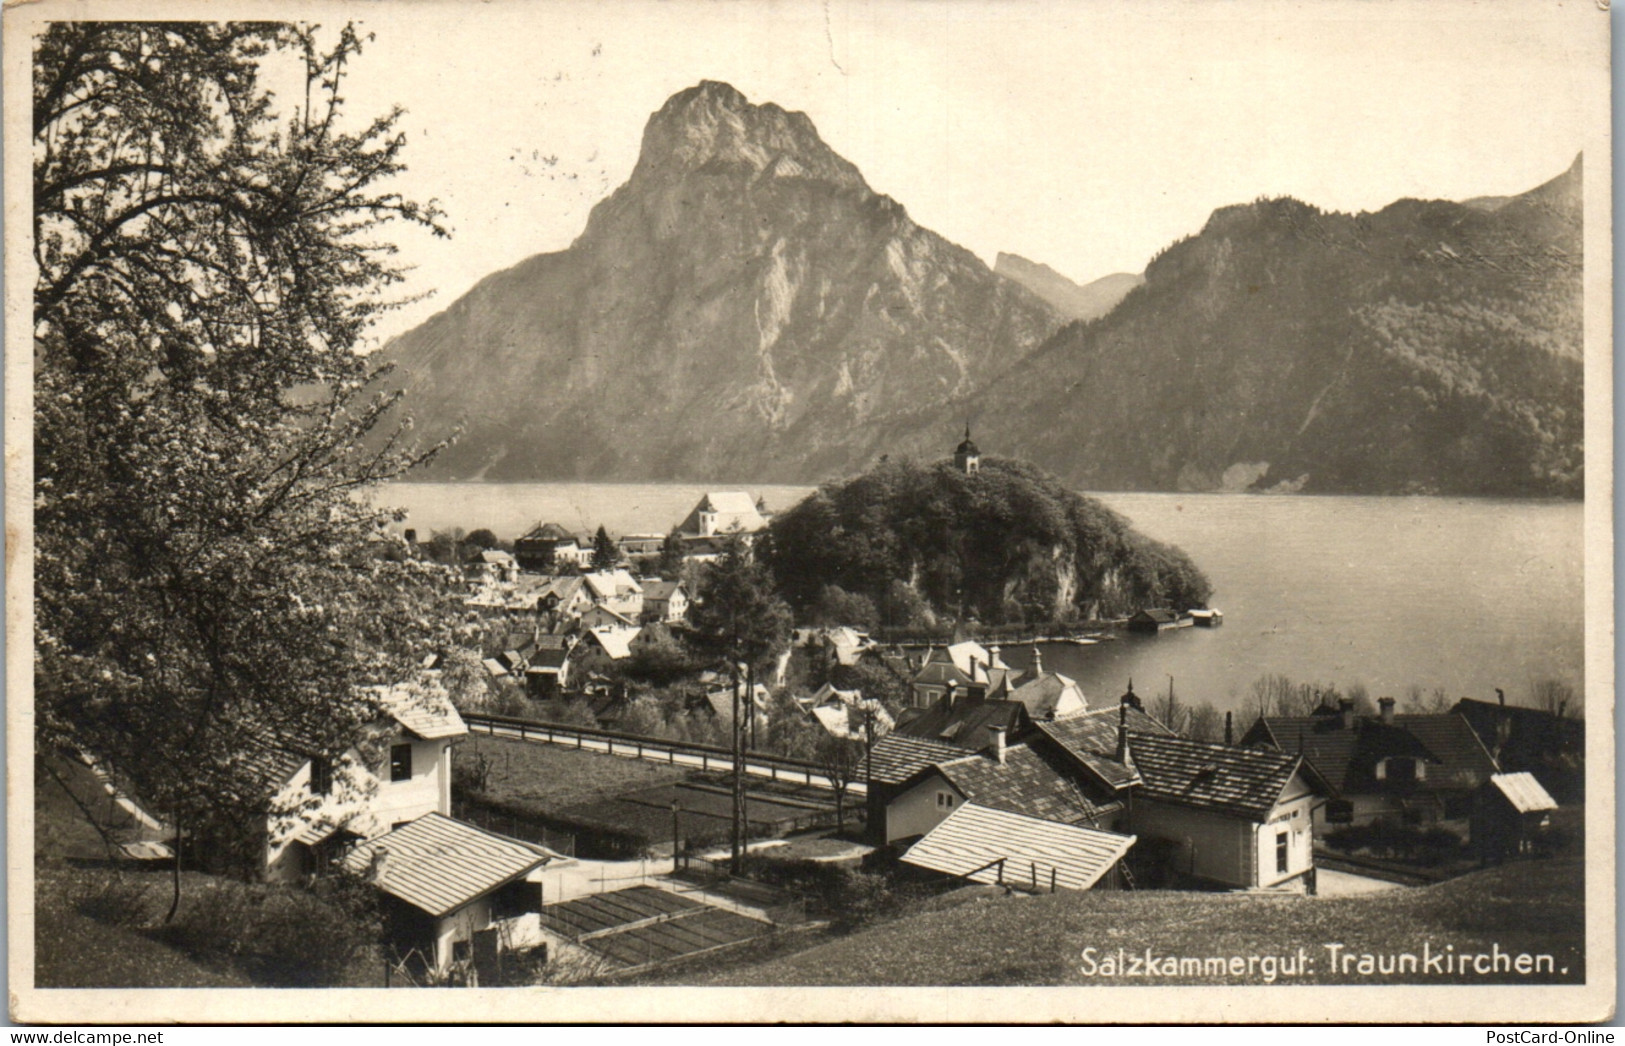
(400, 762)
(945, 800)
(1280, 852)
(321, 776)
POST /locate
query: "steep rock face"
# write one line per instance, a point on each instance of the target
(1431, 347)
(1075, 301)
(744, 307)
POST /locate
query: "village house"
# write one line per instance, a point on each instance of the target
(1418, 769)
(1548, 744)
(847, 714)
(456, 893)
(615, 590)
(549, 546)
(664, 601)
(600, 648)
(1229, 816)
(601, 616)
(640, 544)
(547, 674)
(321, 805)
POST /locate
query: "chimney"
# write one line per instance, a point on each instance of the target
(1500, 697)
(1122, 732)
(1229, 728)
(948, 696)
(1038, 662)
(998, 742)
(1345, 708)
(1386, 704)
(997, 660)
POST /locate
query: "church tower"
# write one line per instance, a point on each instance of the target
(966, 457)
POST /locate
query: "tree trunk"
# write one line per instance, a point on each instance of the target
(175, 897)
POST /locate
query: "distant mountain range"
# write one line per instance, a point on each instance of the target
(1075, 301)
(746, 308)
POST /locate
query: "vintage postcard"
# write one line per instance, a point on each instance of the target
(1028, 511)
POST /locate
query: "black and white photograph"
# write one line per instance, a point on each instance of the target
(661, 508)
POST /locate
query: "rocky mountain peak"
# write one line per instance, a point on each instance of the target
(713, 126)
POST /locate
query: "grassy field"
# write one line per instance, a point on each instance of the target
(549, 778)
(992, 939)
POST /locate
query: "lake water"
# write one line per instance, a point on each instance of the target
(1463, 594)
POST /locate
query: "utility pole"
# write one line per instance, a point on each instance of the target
(738, 848)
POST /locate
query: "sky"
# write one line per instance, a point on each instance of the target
(1087, 136)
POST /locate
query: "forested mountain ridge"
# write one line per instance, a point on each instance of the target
(1430, 347)
(745, 306)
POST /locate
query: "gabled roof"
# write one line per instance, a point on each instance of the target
(548, 660)
(614, 640)
(897, 757)
(1464, 761)
(1038, 784)
(438, 864)
(496, 557)
(609, 584)
(1091, 738)
(734, 509)
(661, 591)
(1346, 756)
(616, 617)
(427, 714)
(1042, 695)
(722, 701)
(1160, 616)
(974, 837)
(1242, 781)
(1523, 792)
(967, 721)
(548, 532)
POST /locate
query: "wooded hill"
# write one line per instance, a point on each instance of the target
(1005, 544)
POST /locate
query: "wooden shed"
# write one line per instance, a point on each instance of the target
(1510, 812)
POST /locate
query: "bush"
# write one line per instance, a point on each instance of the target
(279, 935)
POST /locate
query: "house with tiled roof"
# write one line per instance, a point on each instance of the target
(1416, 768)
(547, 546)
(1548, 744)
(847, 713)
(664, 602)
(320, 804)
(1231, 816)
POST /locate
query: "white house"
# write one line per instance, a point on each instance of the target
(664, 601)
(325, 804)
(616, 590)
